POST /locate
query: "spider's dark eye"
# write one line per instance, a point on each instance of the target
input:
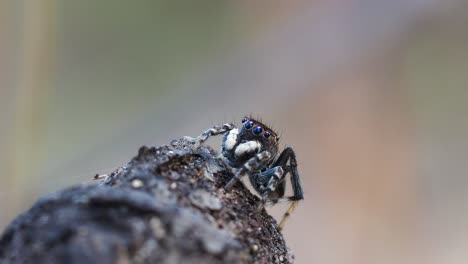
(249, 124)
(266, 134)
(257, 130)
(244, 120)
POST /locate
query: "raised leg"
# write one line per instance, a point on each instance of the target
(250, 166)
(214, 131)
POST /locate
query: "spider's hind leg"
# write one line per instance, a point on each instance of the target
(287, 214)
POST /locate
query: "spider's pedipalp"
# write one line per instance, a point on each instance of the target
(231, 139)
(247, 147)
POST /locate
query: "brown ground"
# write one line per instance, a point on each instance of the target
(166, 206)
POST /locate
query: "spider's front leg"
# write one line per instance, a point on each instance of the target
(214, 131)
(274, 179)
(253, 164)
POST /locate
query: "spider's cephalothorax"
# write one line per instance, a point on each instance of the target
(241, 144)
(252, 150)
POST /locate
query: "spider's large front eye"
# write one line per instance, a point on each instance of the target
(267, 134)
(249, 124)
(244, 120)
(257, 130)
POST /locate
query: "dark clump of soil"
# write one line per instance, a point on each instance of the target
(168, 205)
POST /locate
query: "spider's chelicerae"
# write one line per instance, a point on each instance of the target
(252, 150)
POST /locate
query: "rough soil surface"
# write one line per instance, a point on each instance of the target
(167, 205)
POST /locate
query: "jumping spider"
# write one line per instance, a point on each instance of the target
(252, 150)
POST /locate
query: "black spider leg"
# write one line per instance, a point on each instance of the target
(214, 131)
(280, 188)
(286, 156)
(253, 164)
(281, 184)
(271, 182)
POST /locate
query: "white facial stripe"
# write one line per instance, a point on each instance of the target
(250, 146)
(231, 138)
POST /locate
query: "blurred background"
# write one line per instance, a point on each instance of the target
(372, 95)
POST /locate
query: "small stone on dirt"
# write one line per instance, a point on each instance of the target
(204, 199)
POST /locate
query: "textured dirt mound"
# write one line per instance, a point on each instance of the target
(166, 206)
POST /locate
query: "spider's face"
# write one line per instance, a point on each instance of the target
(241, 144)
